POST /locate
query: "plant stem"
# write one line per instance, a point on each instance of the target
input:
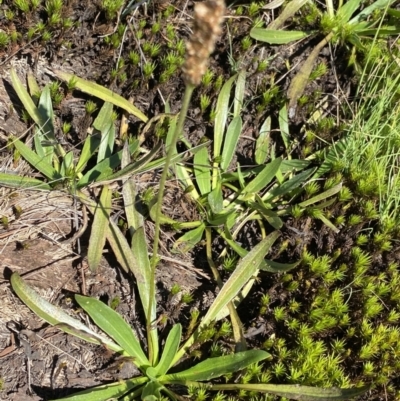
(154, 259)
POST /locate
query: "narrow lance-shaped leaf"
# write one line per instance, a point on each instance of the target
(57, 316)
(115, 326)
(222, 115)
(216, 367)
(36, 161)
(106, 392)
(15, 181)
(102, 93)
(99, 228)
(262, 142)
(300, 81)
(277, 37)
(291, 8)
(170, 348)
(202, 170)
(297, 392)
(142, 272)
(231, 140)
(239, 278)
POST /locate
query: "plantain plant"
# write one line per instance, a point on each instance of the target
(160, 371)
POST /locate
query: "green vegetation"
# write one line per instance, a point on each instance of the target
(332, 316)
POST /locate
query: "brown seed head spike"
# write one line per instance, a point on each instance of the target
(207, 27)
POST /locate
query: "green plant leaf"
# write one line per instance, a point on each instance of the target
(221, 115)
(103, 171)
(99, 229)
(151, 391)
(276, 267)
(45, 132)
(202, 171)
(264, 177)
(262, 143)
(326, 194)
(272, 217)
(188, 240)
(297, 392)
(25, 99)
(301, 79)
(290, 9)
(56, 316)
(37, 162)
(15, 181)
(277, 37)
(238, 279)
(230, 143)
(216, 367)
(105, 125)
(101, 92)
(90, 146)
(105, 392)
(133, 216)
(215, 199)
(347, 10)
(243, 272)
(284, 126)
(170, 349)
(239, 93)
(289, 185)
(115, 326)
(376, 5)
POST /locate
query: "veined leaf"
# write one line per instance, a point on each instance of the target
(105, 125)
(115, 326)
(347, 10)
(103, 171)
(230, 142)
(291, 8)
(202, 171)
(376, 5)
(221, 115)
(99, 228)
(37, 162)
(142, 272)
(277, 37)
(15, 181)
(264, 177)
(216, 367)
(56, 316)
(300, 81)
(297, 392)
(102, 93)
(284, 125)
(190, 239)
(106, 392)
(289, 185)
(92, 142)
(262, 142)
(170, 348)
(238, 279)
